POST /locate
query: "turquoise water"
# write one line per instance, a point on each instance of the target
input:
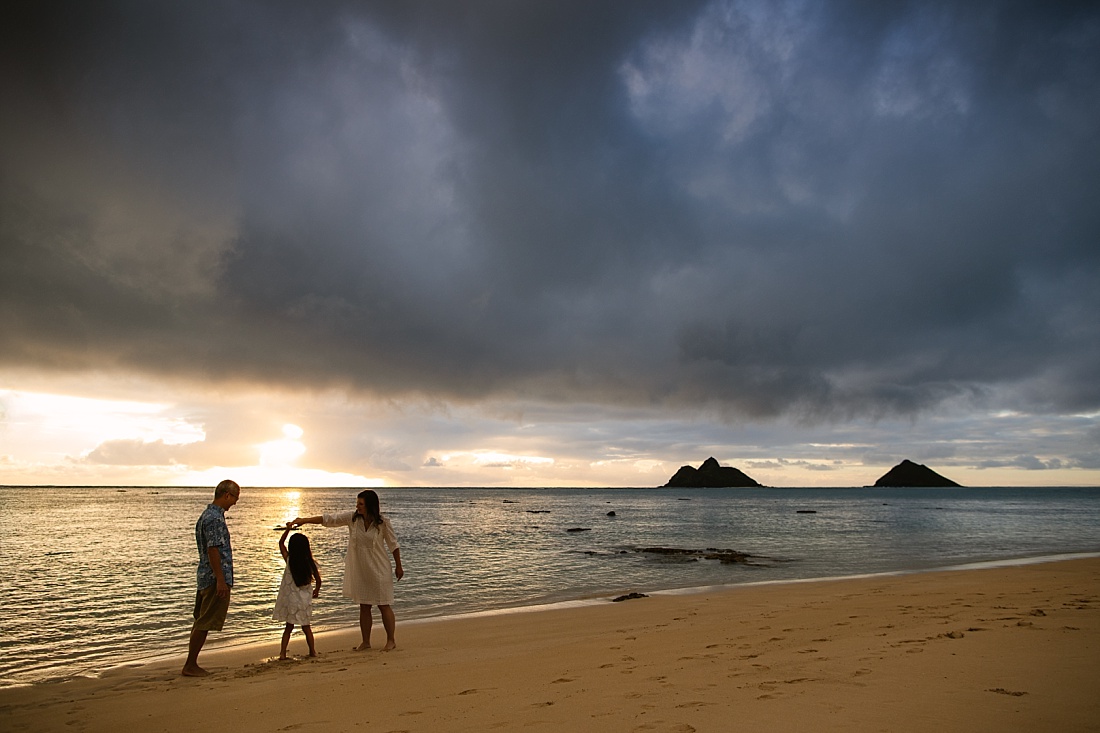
(102, 576)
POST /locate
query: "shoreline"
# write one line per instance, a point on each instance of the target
(262, 647)
(1014, 647)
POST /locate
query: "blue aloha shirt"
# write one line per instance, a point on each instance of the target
(212, 531)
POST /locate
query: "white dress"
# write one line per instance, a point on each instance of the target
(294, 604)
(368, 574)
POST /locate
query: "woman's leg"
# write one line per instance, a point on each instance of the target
(389, 621)
(364, 625)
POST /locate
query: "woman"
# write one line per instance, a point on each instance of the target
(368, 577)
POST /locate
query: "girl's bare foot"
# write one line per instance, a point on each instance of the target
(390, 646)
(363, 647)
(194, 670)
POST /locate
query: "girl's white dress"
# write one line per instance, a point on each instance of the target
(368, 574)
(294, 604)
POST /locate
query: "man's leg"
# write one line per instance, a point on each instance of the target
(191, 667)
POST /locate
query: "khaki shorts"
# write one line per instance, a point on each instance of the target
(210, 609)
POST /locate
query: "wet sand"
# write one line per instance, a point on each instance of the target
(1003, 649)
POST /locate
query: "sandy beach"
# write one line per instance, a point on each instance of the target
(1002, 649)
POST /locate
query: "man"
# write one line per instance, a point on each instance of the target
(215, 573)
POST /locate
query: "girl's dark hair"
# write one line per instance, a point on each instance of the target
(374, 512)
(300, 560)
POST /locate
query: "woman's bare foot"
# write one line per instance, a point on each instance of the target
(282, 658)
(363, 647)
(390, 646)
(194, 670)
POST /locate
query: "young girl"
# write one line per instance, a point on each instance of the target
(294, 604)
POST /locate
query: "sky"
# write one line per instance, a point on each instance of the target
(560, 243)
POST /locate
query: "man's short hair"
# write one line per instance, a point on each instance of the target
(226, 487)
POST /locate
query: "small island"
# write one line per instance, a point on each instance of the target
(710, 475)
(915, 475)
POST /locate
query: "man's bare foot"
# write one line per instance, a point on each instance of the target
(363, 647)
(390, 646)
(313, 654)
(194, 670)
(282, 658)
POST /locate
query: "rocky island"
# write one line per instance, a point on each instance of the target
(916, 475)
(710, 475)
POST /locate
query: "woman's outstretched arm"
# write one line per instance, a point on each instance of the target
(298, 521)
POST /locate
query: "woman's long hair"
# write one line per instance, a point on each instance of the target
(300, 560)
(374, 512)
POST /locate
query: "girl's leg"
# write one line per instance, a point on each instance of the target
(364, 625)
(308, 631)
(389, 621)
(286, 640)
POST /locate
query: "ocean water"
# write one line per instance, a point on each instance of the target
(98, 577)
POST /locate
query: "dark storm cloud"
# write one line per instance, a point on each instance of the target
(823, 209)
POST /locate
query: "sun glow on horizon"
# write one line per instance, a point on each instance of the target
(62, 439)
(276, 467)
(282, 453)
